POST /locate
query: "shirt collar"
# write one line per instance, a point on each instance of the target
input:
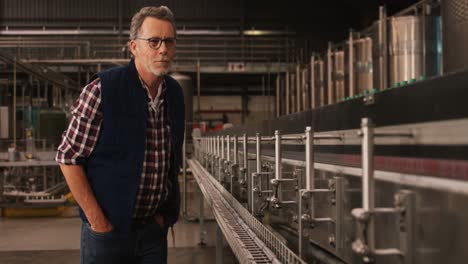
(160, 91)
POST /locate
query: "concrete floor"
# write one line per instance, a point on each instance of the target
(56, 240)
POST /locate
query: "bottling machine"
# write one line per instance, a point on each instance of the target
(367, 161)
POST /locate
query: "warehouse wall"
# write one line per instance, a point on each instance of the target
(257, 106)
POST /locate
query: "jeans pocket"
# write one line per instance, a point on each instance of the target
(104, 248)
(98, 234)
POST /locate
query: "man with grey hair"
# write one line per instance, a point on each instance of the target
(121, 153)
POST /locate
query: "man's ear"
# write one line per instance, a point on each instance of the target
(132, 46)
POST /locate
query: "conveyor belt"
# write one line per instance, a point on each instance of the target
(425, 167)
(250, 241)
(421, 181)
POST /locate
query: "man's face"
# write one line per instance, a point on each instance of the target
(155, 61)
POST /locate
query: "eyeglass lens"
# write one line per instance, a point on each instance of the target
(156, 43)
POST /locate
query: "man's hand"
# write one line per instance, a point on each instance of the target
(84, 196)
(102, 226)
(160, 221)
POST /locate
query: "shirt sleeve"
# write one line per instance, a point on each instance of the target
(80, 138)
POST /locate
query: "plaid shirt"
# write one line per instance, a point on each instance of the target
(82, 134)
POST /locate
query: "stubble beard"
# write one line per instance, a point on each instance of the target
(158, 72)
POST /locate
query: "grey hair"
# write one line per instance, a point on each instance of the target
(159, 12)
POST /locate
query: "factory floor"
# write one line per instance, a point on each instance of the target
(56, 241)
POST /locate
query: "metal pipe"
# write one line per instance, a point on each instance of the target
(368, 175)
(212, 153)
(198, 148)
(305, 104)
(413, 7)
(298, 88)
(14, 103)
(257, 175)
(228, 142)
(210, 146)
(278, 94)
(203, 148)
(339, 214)
(198, 88)
(351, 63)
(300, 229)
(23, 92)
(220, 155)
(383, 47)
(322, 85)
(269, 97)
(293, 92)
(222, 148)
(329, 73)
(217, 146)
(312, 81)
(258, 152)
(263, 95)
(206, 146)
(245, 171)
(244, 145)
(235, 150)
(204, 152)
(46, 90)
(277, 155)
(278, 162)
(309, 157)
(230, 168)
(288, 95)
(423, 37)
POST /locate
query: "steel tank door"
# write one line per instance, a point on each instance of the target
(455, 28)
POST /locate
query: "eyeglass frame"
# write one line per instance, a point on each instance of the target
(149, 41)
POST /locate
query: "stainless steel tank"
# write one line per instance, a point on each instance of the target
(410, 44)
(363, 65)
(292, 89)
(433, 45)
(412, 48)
(455, 37)
(187, 87)
(330, 91)
(318, 87)
(339, 75)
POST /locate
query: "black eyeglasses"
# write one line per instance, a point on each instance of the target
(155, 43)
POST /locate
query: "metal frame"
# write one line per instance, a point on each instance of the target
(364, 245)
(249, 239)
(271, 162)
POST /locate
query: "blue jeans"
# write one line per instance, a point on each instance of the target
(145, 244)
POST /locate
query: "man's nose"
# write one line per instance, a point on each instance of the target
(163, 48)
